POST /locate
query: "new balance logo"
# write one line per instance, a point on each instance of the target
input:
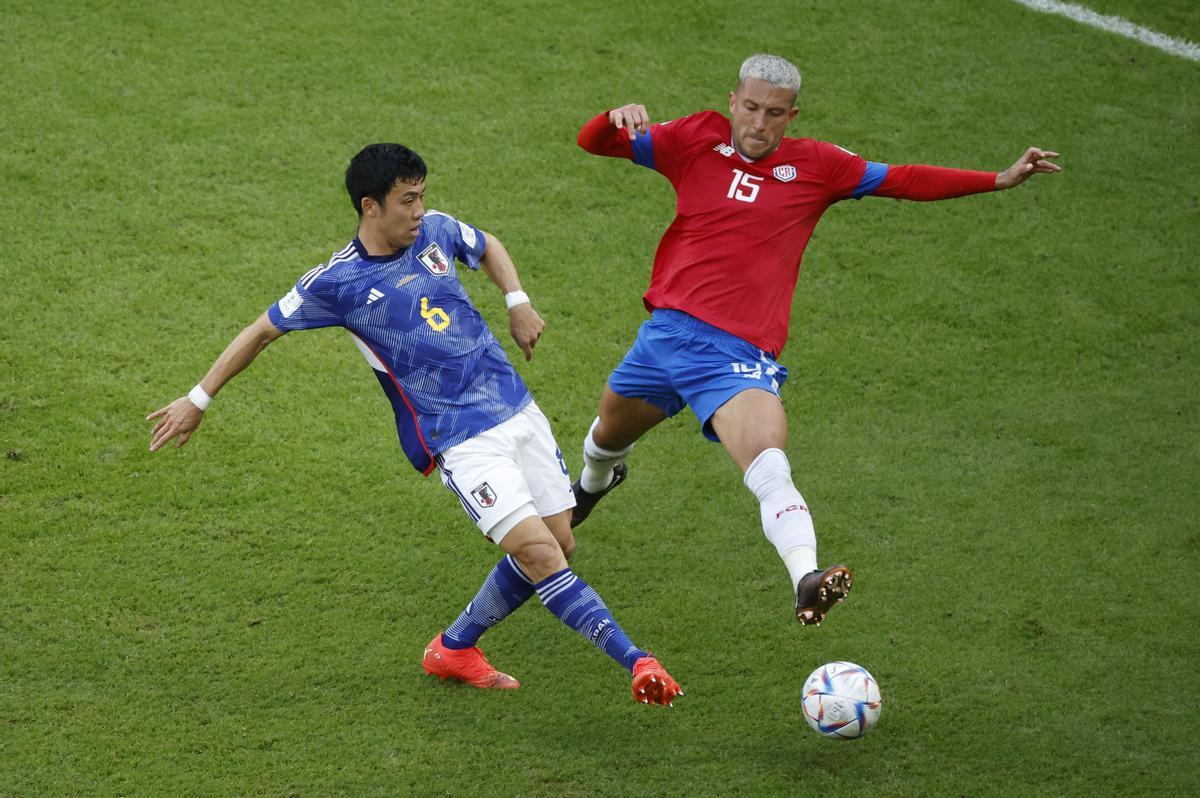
(725, 149)
(375, 294)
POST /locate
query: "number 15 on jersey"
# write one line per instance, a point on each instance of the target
(744, 187)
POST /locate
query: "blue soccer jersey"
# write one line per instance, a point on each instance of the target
(446, 375)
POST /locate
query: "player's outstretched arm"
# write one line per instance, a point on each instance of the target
(524, 323)
(1033, 161)
(612, 132)
(182, 417)
(924, 183)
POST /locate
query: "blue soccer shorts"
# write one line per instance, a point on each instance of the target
(679, 360)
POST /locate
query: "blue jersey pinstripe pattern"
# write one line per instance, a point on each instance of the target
(443, 370)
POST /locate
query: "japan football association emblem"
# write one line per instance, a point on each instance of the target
(435, 260)
(484, 495)
(785, 173)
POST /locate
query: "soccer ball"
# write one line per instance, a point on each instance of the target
(842, 700)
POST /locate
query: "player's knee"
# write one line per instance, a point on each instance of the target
(540, 558)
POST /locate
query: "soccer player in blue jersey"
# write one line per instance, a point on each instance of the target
(460, 407)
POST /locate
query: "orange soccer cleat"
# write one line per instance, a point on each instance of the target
(467, 665)
(652, 684)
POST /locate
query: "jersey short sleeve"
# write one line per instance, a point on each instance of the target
(467, 242)
(847, 174)
(310, 305)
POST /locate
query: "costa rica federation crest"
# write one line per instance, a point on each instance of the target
(433, 259)
(785, 173)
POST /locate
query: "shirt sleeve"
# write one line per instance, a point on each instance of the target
(658, 148)
(846, 173)
(925, 183)
(310, 305)
(467, 242)
(599, 137)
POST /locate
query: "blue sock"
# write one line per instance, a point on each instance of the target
(505, 589)
(582, 609)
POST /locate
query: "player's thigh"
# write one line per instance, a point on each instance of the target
(546, 475)
(624, 419)
(749, 423)
(541, 461)
(639, 393)
(487, 477)
(733, 388)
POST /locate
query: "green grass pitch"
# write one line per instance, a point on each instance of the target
(993, 408)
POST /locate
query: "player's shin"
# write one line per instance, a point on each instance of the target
(580, 607)
(785, 517)
(598, 463)
(505, 589)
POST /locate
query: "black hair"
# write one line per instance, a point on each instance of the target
(378, 167)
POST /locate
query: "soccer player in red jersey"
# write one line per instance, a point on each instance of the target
(720, 293)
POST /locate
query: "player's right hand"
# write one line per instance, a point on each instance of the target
(632, 117)
(181, 418)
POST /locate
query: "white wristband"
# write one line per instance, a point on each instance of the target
(514, 298)
(199, 398)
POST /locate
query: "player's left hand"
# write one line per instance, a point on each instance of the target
(1029, 164)
(526, 327)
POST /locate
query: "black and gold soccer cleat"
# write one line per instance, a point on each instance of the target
(584, 501)
(818, 591)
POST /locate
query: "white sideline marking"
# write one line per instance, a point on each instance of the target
(1118, 25)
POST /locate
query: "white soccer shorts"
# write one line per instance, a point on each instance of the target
(511, 466)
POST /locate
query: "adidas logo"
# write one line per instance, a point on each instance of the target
(375, 294)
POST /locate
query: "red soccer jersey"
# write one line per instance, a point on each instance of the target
(732, 255)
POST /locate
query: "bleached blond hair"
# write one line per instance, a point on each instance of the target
(777, 71)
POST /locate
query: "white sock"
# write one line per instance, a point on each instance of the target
(598, 463)
(785, 517)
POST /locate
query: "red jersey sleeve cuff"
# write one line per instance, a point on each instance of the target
(599, 137)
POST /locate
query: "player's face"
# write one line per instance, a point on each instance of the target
(398, 219)
(759, 113)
